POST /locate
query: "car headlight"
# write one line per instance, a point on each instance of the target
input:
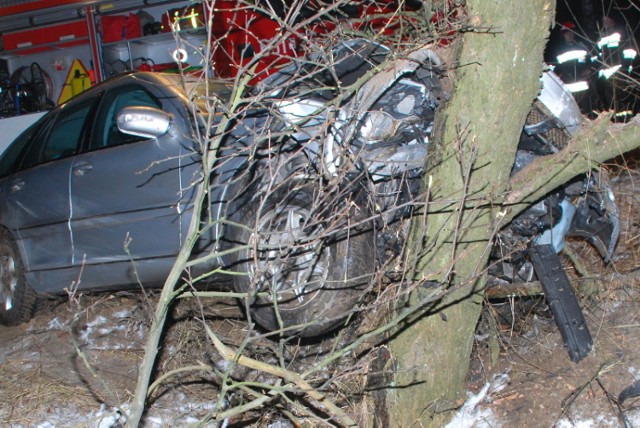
(378, 126)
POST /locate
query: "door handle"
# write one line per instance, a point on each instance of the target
(17, 184)
(82, 169)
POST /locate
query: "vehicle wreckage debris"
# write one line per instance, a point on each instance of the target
(562, 301)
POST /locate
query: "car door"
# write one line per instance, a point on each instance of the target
(37, 193)
(127, 192)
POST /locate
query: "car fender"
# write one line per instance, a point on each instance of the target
(351, 115)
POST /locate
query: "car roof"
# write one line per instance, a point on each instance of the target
(189, 87)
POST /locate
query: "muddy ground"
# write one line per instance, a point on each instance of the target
(75, 363)
(535, 382)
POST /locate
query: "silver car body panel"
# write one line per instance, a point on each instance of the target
(558, 99)
(108, 216)
(43, 234)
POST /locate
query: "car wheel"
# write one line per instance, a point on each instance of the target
(305, 269)
(17, 298)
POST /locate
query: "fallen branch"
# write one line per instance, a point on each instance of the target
(195, 368)
(230, 355)
(533, 288)
(518, 289)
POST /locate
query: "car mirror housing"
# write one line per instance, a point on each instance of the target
(142, 121)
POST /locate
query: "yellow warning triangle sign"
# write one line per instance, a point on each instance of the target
(77, 81)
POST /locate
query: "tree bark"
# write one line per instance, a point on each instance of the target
(497, 78)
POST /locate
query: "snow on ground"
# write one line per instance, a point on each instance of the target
(476, 411)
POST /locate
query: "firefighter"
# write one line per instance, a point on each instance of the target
(572, 65)
(615, 58)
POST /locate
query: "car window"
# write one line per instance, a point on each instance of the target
(12, 153)
(106, 133)
(63, 138)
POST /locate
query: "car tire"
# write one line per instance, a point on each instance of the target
(299, 252)
(17, 298)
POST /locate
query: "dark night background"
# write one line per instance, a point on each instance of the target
(586, 14)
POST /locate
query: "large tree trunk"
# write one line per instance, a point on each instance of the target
(497, 78)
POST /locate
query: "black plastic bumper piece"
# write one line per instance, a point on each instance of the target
(562, 301)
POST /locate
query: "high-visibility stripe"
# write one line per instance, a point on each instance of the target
(624, 113)
(577, 86)
(578, 54)
(608, 72)
(610, 41)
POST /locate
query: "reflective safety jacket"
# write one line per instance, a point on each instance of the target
(572, 65)
(615, 54)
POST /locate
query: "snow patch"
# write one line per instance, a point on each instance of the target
(110, 334)
(597, 422)
(122, 314)
(472, 413)
(88, 328)
(633, 418)
(102, 418)
(56, 324)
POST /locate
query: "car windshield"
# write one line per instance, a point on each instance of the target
(325, 74)
(201, 90)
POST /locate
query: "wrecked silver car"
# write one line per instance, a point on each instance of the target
(311, 188)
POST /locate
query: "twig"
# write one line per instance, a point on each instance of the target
(238, 410)
(604, 367)
(516, 289)
(617, 402)
(83, 356)
(194, 368)
(533, 288)
(577, 261)
(230, 355)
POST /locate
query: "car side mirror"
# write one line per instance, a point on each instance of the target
(142, 121)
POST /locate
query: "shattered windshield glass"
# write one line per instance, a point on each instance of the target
(203, 92)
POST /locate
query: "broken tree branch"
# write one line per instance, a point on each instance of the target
(230, 355)
(596, 142)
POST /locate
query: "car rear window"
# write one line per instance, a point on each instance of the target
(12, 153)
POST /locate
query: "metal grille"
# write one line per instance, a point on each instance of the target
(556, 136)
